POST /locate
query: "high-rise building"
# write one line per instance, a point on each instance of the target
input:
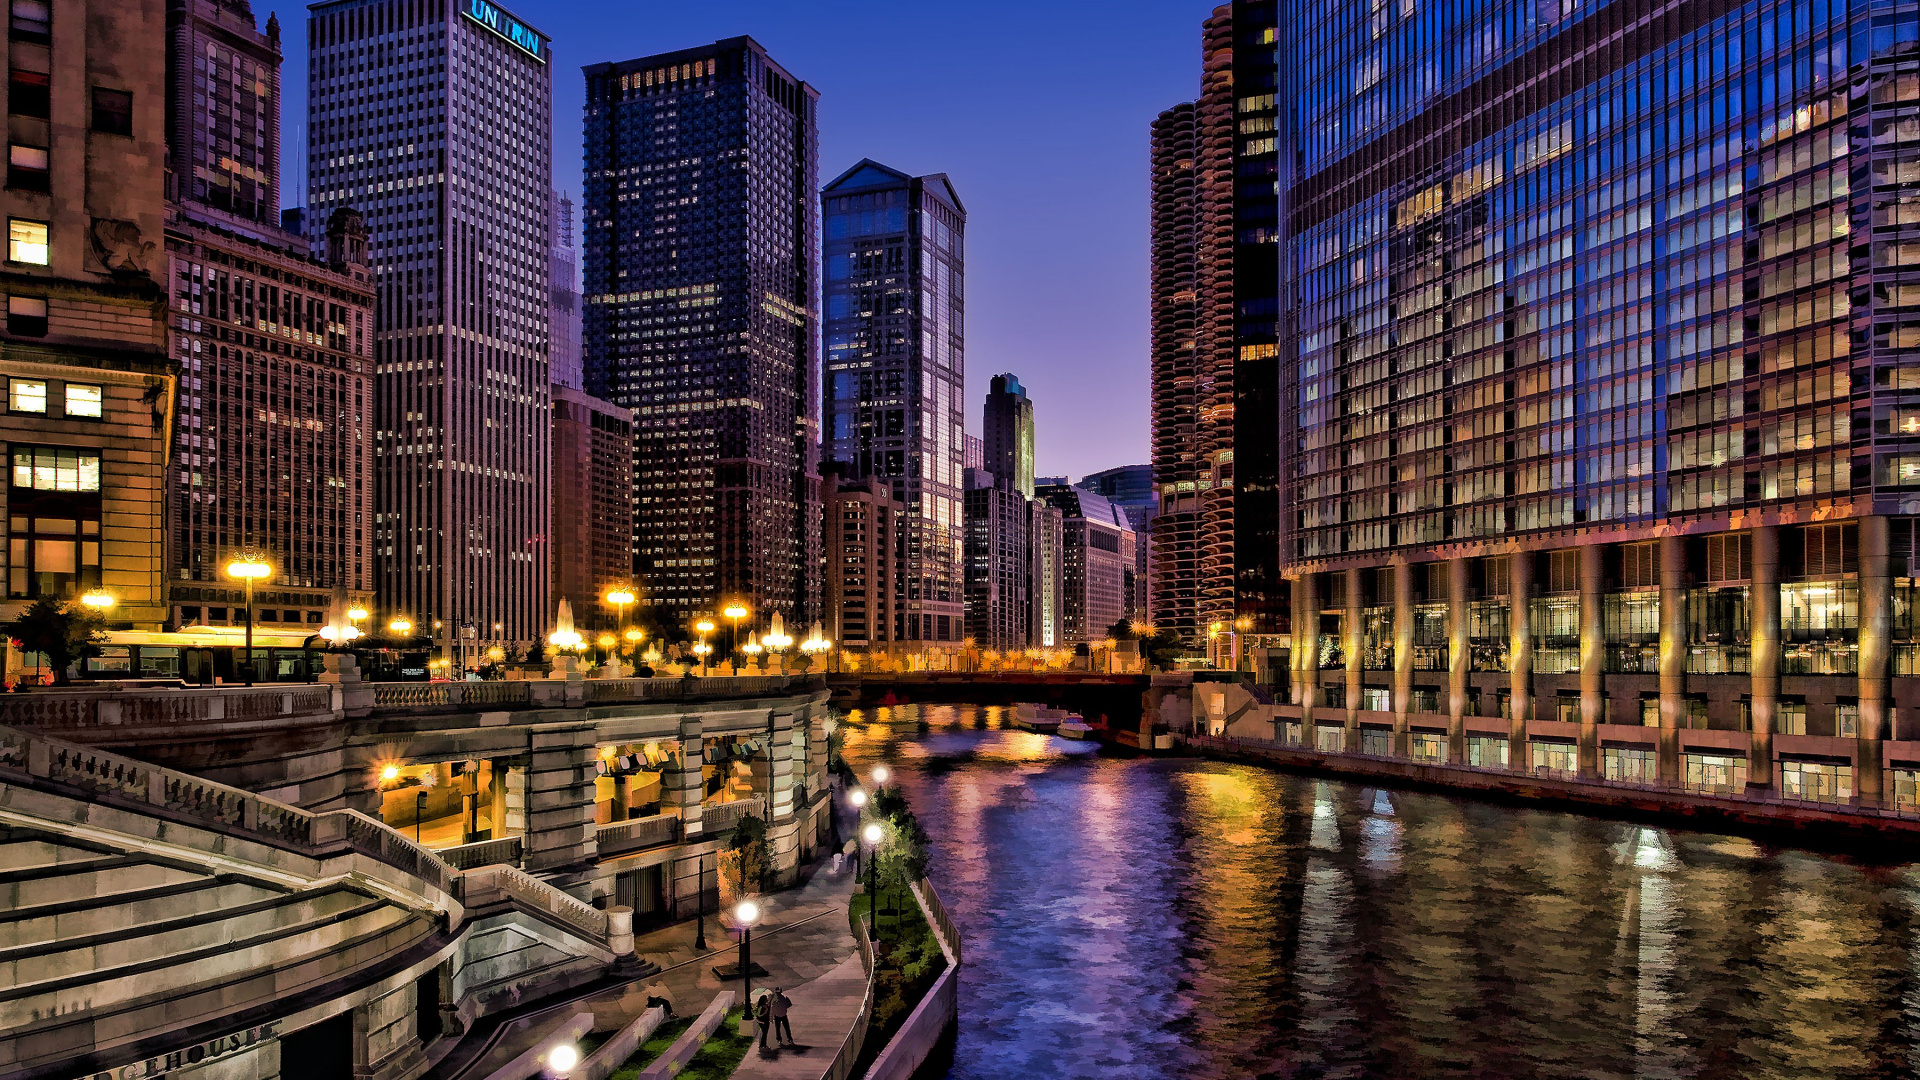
(1599, 388)
(90, 391)
(700, 249)
(1214, 316)
(592, 503)
(973, 453)
(563, 281)
(223, 109)
(1098, 581)
(434, 122)
(895, 372)
(1046, 575)
(273, 451)
(1007, 434)
(999, 563)
(1131, 490)
(863, 559)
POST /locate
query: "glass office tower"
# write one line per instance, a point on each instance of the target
(1602, 311)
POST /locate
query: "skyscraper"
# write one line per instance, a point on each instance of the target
(563, 281)
(1007, 434)
(274, 450)
(1597, 387)
(592, 503)
(1097, 574)
(701, 168)
(895, 371)
(1131, 490)
(434, 122)
(1214, 296)
(998, 563)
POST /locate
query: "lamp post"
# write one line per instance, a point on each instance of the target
(880, 776)
(873, 835)
(704, 627)
(620, 598)
(700, 907)
(745, 913)
(752, 649)
(247, 568)
(858, 800)
(734, 612)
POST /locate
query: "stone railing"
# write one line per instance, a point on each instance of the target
(719, 817)
(123, 782)
(504, 851)
(616, 690)
(943, 922)
(937, 1009)
(108, 706)
(636, 834)
(532, 892)
(419, 695)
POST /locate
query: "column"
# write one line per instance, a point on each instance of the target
(1306, 634)
(1876, 654)
(1673, 653)
(1593, 655)
(1402, 653)
(773, 779)
(560, 796)
(1763, 653)
(685, 790)
(1353, 638)
(1457, 658)
(1519, 657)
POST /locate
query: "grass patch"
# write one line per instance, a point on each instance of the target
(648, 1051)
(722, 1053)
(907, 960)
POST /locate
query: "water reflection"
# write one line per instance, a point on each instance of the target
(1183, 918)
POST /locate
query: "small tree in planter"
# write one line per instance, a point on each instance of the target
(63, 633)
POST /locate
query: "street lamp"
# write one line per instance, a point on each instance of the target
(98, 599)
(745, 914)
(703, 628)
(247, 568)
(873, 835)
(400, 625)
(752, 649)
(700, 907)
(880, 775)
(562, 1059)
(620, 598)
(734, 611)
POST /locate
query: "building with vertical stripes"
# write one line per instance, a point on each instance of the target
(432, 118)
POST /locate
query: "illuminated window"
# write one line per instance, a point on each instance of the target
(55, 468)
(27, 241)
(27, 168)
(83, 400)
(27, 395)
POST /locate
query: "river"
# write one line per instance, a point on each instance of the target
(1131, 917)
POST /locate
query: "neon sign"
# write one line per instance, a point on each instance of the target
(519, 34)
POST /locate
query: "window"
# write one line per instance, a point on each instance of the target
(112, 111)
(55, 468)
(52, 556)
(27, 168)
(27, 395)
(27, 241)
(29, 93)
(83, 400)
(27, 316)
(32, 21)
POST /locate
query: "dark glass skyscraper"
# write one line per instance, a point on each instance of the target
(1598, 388)
(701, 173)
(1007, 445)
(895, 371)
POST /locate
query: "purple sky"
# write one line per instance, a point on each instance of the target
(1038, 112)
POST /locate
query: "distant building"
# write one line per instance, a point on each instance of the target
(1046, 575)
(1008, 434)
(700, 280)
(563, 292)
(90, 391)
(894, 261)
(457, 218)
(1131, 489)
(1098, 575)
(862, 545)
(973, 453)
(998, 563)
(592, 502)
(274, 447)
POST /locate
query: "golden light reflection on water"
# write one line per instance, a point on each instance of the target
(1132, 917)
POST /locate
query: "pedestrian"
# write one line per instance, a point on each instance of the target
(782, 1028)
(762, 1013)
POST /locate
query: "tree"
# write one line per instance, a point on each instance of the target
(63, 633)
(749, 843)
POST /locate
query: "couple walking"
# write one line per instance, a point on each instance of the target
(771, 1012)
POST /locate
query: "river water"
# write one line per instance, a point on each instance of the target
(1182, 918)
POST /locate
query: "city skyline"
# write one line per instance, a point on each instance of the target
(1047, 168)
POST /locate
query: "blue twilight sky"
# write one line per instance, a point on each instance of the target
(1038, 111)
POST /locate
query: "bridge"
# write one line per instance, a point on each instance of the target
(1126, 708)
(231, 875)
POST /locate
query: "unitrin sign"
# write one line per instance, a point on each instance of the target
(523, 37)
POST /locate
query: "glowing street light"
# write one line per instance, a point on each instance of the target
(858, 798)
(247, 568)
(734, 611)
(620, 596)
(563, 1058)
(873, 835)
(355, 614)
(746, 914)
(98, 599)
(880, 775)
(400, 624)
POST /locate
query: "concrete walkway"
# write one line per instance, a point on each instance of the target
(823, 1010)
(802, 935)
